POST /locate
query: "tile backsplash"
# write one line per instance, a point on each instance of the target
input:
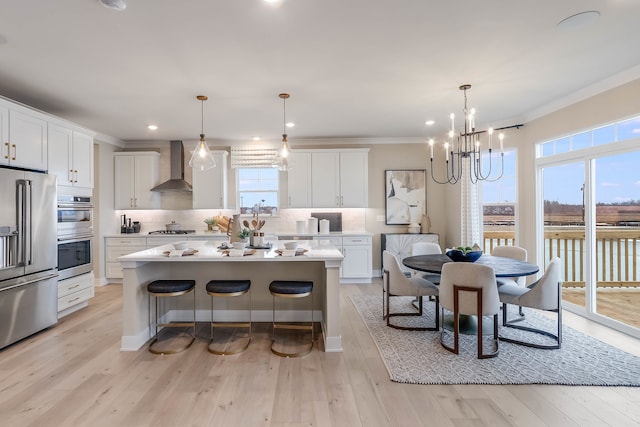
(353, 220)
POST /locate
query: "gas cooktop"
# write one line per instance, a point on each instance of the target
(172, 232)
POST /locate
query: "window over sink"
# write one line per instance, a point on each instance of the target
(257, 190)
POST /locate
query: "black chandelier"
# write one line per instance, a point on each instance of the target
(467, 145)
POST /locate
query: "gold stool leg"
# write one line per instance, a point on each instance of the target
(229, 325)
(152, 347)
(275, 326)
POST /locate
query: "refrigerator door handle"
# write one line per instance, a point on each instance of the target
(28, 237)
(20, 214)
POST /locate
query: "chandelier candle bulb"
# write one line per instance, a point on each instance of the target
(490, 132)
(446, 150)
(501, 137)
(431, 147)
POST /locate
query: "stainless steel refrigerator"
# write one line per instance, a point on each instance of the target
(28, 254)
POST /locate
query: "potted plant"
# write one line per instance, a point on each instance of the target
(244, 234)
(212, 224)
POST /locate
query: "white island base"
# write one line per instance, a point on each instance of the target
(320, 264)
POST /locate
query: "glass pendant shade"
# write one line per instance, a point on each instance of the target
(202, 158)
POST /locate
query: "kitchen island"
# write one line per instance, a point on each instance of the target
(319, 263)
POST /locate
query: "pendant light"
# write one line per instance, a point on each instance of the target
(202, 158)
(284, 148)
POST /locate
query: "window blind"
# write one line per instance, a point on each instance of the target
(253, 156)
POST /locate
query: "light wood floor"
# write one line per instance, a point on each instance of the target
(622, 304)
(74, 374)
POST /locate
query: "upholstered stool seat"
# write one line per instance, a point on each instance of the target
(170, 288)
(229, 288)
(291, 289)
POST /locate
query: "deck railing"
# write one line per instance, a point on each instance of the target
(617, 259)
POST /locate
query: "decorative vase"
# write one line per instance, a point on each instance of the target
(425, 224)
(234, 230)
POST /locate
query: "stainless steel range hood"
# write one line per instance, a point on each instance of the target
(177, 182)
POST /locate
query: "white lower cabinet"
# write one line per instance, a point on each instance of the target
(357, 252)
(357, 264)
(118, 246)
(74, 293)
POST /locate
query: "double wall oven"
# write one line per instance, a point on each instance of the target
(75, 234)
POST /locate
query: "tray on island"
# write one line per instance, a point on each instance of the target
(185, 252)
(246, 252)
(265, 246)
(299, 251)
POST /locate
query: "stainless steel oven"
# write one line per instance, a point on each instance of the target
(75, 216)
(75, 235)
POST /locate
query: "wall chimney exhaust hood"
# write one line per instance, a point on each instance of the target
(177, 182)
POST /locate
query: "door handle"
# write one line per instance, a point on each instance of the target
(6, 144)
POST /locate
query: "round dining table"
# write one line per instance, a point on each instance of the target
(502, 267)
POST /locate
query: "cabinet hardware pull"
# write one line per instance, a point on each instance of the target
(15, 151)
(74, 299)
(6, 144)
(73, 287)
(131, 202)
(70, 177)
(75, 175)
(135, 202)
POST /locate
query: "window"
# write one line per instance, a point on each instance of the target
(499, 204)
(257, 190)
(619, 131)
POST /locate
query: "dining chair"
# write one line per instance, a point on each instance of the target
(544, 294)
(515, 252)
(469, 289)
(426, 248)
(397, 284)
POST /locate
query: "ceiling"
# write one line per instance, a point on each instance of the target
(354, 69)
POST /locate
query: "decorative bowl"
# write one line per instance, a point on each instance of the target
(458, 256)
(239, 245)
(181, 245)
(291, 245)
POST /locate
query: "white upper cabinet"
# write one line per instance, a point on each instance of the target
(299, 180)
(339, 178)
(136, 173)
(70, 156)
(210, 186)
(24, 139)
(354, 178)
(325, 179)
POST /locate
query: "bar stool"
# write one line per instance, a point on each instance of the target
(229, 288)
(290, 289)
(171, 288)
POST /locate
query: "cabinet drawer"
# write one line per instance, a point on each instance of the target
(75, 284)
(335, 241)
(74, 298)
(356, 240)
(126, 241)
(114, 252)
(153, 242)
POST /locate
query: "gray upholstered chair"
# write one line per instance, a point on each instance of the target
(426, 248)
(544, 294)
(469, 289)
(515, 252)
(397, 284)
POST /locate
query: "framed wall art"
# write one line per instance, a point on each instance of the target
(405, 196)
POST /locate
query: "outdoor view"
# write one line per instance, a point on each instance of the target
(616, 192)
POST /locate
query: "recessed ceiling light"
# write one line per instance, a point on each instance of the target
(579, 19)
(152, 127)
(290, 124)
(256, 138)
(118, 5)
(429, 122)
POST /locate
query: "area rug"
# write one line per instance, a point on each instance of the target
(416, 357)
